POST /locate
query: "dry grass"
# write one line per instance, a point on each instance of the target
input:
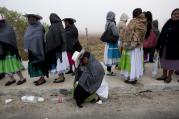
(93, 44)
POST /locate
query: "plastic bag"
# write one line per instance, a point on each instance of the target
(156, 65)
(103, 89)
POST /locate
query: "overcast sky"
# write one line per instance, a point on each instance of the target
(91, 13)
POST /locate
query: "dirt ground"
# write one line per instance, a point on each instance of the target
(147, 105)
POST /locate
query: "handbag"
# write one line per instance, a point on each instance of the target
(151, 41)
(108, 37)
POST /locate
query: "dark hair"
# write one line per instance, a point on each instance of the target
(174, 11)
(148, 16)
(70, 21)
(137, 12)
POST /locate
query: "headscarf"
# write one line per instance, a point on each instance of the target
(155, 27)
(34, 40)
(124, 17)
(122, 22)
(92, 75)
(55, 37)
(111, 23)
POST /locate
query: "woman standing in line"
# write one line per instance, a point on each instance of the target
(34, 44)
(168, 46)
(111, 53)
(73, 44)
(10, 61)
(132, 39)
(56, 55)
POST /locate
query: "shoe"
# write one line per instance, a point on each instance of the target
(2, 76)
(69, 72)
(161, 78)
(20, 82)
(111, 74)
(10, 83)
(59, 80)
(40, 81)
(168, 80)
(130, 82)
(79, 105)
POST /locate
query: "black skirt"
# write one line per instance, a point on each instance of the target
(80, 94)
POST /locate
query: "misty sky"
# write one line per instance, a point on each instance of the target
(91, 13)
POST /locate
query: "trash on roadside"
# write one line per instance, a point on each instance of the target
(40, 99)
(58, 99)
(99, 102)
(8, 101)
(32, 99)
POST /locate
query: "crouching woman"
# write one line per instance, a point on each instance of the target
(89, 76)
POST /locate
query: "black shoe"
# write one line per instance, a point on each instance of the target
(79, 105)
(69, 72)
(161, 78)
(130, 82)
(168, 80)
(2, 76)
(21, 82)
(10, 83)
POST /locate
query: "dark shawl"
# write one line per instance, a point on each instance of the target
(71, 34)
(90, 76)
(7, 35)
(8, 44)
(34, 41)
(168, 42)
(56, 35)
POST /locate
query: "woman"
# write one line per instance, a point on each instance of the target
(88, 78)
(122, 23)
(155, 28)
(111, 53)
(150, 40)
(34, 44)
(10, 61)
(56, 55)
(73, 44)
(168, 46)
(132, 56)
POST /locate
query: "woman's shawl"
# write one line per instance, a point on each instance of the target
(7, 35)
(92, 75)
(55, 37)
(71, 34)
(34, 40)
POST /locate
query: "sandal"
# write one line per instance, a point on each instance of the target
(161, 78)
(168, 80)
(10, 83)
(59, 80)
(21, 82)
(40, 81)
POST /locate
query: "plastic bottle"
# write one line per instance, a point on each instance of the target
(32, 99)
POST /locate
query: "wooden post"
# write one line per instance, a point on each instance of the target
(87, 38)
